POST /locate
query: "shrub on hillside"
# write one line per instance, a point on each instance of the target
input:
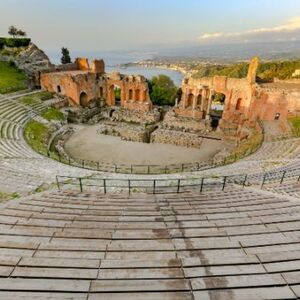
(14, 42)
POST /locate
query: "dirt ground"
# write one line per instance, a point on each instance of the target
(88, 145)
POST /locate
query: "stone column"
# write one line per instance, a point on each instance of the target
(211, 94)
(185, 94)
(203, 94)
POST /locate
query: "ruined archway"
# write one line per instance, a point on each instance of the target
(238, 105)
(83, 99)
(137, 95)
(115, 95)
(101, 92)
(199, 101)
(130, 94)
(189, 102)
(217, 108)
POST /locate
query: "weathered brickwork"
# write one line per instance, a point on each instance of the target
(245, 99)
(83, 83)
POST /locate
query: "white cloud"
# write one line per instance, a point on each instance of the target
(291, 27)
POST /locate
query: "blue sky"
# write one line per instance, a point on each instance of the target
(136, 24)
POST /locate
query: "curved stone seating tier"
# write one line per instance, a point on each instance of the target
(237, 244)
(12, 148)
(285, 149)
(21, 168)
(10, 130)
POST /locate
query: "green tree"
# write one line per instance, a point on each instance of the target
(13, 31)
(66, 58)
(162, 90)
(21, 33)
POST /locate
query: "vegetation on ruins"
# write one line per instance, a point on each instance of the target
(162, 90)
(295, 124)
(11, 78)
(14, 42)
(37, 136)
(266, 70)
(53, 114)
(37, 98)
(66, 58)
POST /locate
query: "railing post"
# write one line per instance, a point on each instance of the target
(245, 180)
(154, 186)
(264, 179)
(57, 182)
(97, 165)
(83, 163)
(116, 169)
(178, 186)
(131, 169)
(80, 185)
(198, 166)
(129, 186)
(224, 183)
(282, 178)
(182, 167)
(201, 186)
(104, 185)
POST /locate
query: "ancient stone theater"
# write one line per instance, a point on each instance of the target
(244, 100)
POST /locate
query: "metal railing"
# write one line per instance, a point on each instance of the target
(135, 168)
(153, 186)
(164, 186)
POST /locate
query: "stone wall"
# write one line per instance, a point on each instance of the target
(174, 122)
(178, 138)
(136, 116)
(82, 83)
(127, 132)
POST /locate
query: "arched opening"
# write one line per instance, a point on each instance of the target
(144, 95)
(238, 104)
(137, 95)
(83, 100)
(217, 108)
(58, 89)
(190, 99)
(111, 113)
(130, 94)
(101, 92)
(115, 93)
(199, 101)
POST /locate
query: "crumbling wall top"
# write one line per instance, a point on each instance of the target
(252, 71)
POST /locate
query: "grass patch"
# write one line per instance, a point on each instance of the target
(11, 78)
(53, 114)
(7, 196)
(37, 135)
(295, 123)
(36, 98)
